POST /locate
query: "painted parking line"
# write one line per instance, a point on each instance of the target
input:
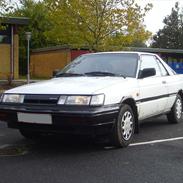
(156, 141)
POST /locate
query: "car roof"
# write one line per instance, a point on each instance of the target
(121, 52)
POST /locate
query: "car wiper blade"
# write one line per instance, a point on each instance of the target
(99, 73)
(68, 74)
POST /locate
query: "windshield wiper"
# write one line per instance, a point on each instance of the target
(95, 73)
(68, 74)
(100, 73)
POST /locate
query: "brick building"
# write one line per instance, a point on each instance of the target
(45, 60)
(9, 47)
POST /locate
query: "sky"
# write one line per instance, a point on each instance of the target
(161, 8)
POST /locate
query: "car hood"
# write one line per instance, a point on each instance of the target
(69, 85)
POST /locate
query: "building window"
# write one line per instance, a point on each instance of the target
(5, 35)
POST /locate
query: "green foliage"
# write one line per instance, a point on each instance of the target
(3, 10)
(3, 6)
(39, 23)
(7, 6)
(171, 36)
(99, 24)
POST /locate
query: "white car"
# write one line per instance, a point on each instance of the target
(97, 94)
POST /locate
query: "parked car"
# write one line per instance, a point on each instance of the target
(97, 94)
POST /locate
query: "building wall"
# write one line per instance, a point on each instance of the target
(5, 56)
(4, 61)
(16, 56)
(76, 53)
(43, 63)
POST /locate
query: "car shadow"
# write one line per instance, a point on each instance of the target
(154, 122)
(156, 129)
(65, 146)
(152, 129)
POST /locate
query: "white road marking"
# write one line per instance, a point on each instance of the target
(149, 142)
(156, 141)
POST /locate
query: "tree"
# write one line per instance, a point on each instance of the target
(171, 36)
(39, 23)
(6, 6)
(2, 8)
(97, 23)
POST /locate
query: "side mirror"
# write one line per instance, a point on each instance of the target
(147, 73)
(55, 72)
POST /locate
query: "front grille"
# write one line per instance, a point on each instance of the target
(41, 99)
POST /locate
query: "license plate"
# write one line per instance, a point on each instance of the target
(34, 118)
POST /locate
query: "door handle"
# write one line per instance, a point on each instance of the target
(163, 82)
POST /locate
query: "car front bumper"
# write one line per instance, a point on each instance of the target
(65, 119)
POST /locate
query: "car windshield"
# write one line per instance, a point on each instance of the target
(103, 64)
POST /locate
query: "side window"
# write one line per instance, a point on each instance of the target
(148, 61)
(162, 68)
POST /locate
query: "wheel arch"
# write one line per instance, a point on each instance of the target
(180, 92)
(172, 116)
(131, 102)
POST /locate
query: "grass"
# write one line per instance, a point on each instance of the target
(34, 78)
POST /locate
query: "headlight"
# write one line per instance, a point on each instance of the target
(12, 98)
(82, 100)
(78, 100)
(74, 100)
(62, 100)
(97, 100)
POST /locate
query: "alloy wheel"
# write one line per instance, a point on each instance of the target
(127, 125)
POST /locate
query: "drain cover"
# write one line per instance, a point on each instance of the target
(13, 150)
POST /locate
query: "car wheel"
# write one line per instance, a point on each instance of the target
(175, 115)
(30, 134)
(123, 130)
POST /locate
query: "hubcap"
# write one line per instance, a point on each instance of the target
(178, 108)
(127, 125)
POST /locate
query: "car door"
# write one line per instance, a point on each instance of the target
(153, 91)
(171, 84)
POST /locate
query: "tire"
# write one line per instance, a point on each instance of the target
(30, 134)
(175, 115)
(123, 130)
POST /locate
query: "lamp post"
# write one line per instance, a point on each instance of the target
(28, 38)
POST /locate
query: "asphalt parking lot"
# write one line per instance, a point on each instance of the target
(156, 155)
